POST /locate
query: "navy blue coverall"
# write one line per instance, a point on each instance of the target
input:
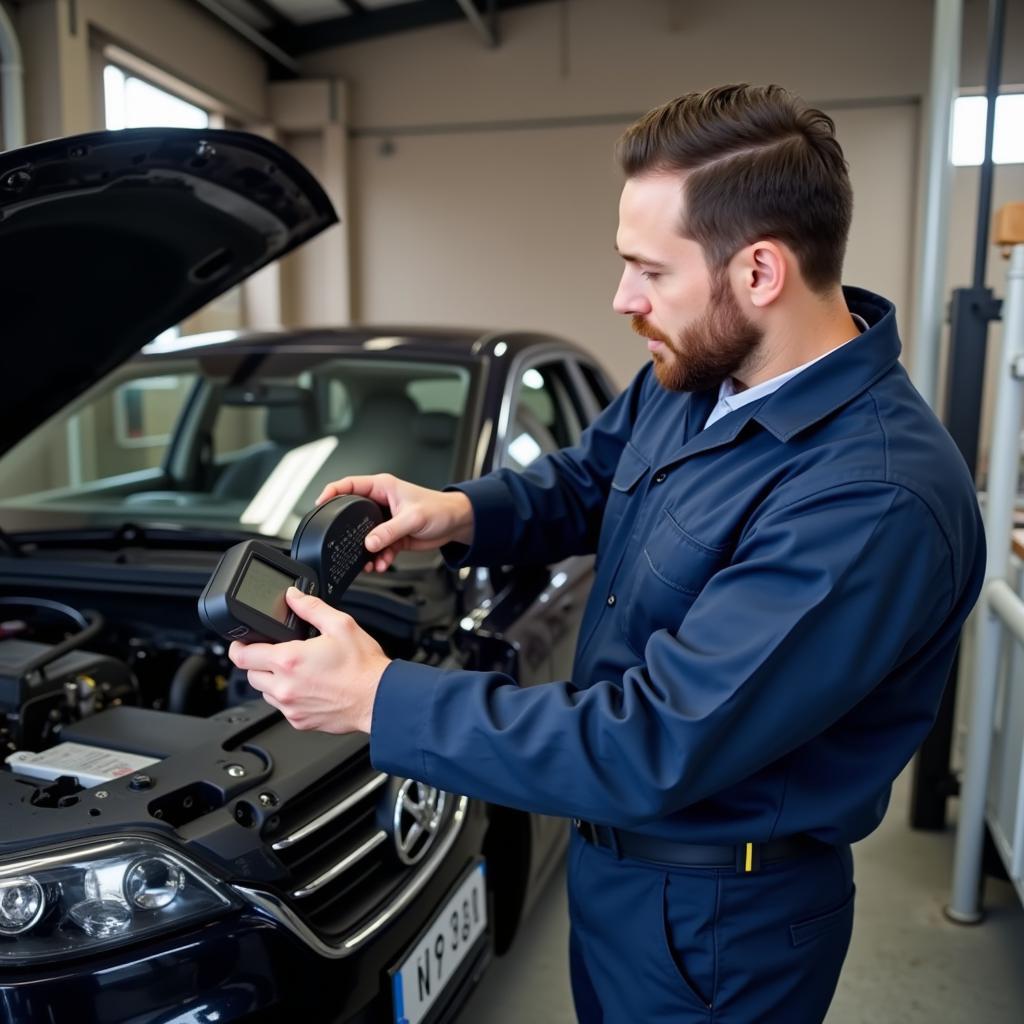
(776, 607)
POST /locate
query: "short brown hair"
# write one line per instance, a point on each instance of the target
(759, 163)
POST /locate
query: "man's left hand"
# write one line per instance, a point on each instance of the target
(328, 682)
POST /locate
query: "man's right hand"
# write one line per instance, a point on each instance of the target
(421, 519)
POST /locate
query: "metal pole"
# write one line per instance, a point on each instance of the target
(1004, 455)
(971, 311)
(996, 23)
(928, 305)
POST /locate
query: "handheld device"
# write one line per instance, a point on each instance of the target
(329, 539)
(244, 598)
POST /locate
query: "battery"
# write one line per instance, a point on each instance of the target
(91, 765)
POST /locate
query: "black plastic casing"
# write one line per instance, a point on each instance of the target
(330, 541)
(221, 610)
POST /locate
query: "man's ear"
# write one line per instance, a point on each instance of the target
(760, 272)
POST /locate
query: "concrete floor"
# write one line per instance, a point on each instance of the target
(907, 964)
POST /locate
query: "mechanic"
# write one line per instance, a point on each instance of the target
(788, 543)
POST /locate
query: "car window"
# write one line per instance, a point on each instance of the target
(237, 428)
(337, 404)
(125, 427)
(240, 439)
(597, 385)
(543, 416)
(438, 395)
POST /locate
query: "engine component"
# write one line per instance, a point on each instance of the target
(38, 695)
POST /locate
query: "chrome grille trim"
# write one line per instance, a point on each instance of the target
(329, 815)
(342, 866)
(274, 907)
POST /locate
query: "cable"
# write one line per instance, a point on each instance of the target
(190, 671)
(92, 622)
(44, 602)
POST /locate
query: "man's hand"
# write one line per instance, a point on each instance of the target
(328, 682)
(421, 519)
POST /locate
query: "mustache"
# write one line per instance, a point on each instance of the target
(645, 330)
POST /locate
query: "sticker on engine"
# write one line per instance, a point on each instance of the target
(92, 765)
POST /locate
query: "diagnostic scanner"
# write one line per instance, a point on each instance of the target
(244, 598)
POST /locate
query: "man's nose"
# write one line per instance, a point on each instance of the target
(630, 298)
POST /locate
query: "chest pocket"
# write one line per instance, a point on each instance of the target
(632, 467)
(673, 567)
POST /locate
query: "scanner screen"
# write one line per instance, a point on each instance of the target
(263, 588)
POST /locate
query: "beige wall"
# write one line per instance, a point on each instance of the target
(469, 222)
(484, 225)
(516, 228)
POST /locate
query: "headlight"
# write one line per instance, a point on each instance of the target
(80, 900)
(21, 905)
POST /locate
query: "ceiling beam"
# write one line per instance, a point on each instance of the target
(253, 35)
(270, 12)
(320, 35)
(488, 30)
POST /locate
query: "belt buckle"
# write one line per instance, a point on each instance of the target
(748, 858)
(598, 835)
(587, 830)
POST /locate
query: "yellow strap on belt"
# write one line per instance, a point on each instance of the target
(750, 857)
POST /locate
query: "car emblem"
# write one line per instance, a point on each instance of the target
(418, 812)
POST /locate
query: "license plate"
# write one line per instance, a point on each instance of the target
(424, 974)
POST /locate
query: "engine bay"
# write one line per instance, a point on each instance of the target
(112, 651)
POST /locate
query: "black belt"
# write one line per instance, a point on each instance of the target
(744, 857)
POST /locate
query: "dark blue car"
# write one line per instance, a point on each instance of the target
(170, 849)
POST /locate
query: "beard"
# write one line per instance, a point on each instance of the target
(715, 346)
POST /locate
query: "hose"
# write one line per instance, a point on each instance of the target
(190, 671)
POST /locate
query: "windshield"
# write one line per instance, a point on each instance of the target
(237, 440)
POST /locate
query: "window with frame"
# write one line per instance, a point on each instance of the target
(543, 417)
(967, 144)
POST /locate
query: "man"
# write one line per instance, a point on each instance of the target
(787, 546)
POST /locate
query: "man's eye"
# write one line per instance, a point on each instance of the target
(649, 275)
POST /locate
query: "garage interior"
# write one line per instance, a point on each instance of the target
(467, 148)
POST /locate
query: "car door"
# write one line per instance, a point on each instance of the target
(550, 404)
(547, 411)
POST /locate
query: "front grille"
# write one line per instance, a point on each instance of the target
(337, 845)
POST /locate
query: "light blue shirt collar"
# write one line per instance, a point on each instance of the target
(729, 399)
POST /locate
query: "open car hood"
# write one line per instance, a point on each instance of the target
(110, 238)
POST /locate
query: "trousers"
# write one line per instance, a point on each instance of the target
(652, 943)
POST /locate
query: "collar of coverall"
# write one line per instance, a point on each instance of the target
(841, 376)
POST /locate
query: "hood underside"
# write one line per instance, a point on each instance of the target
(108, 239)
